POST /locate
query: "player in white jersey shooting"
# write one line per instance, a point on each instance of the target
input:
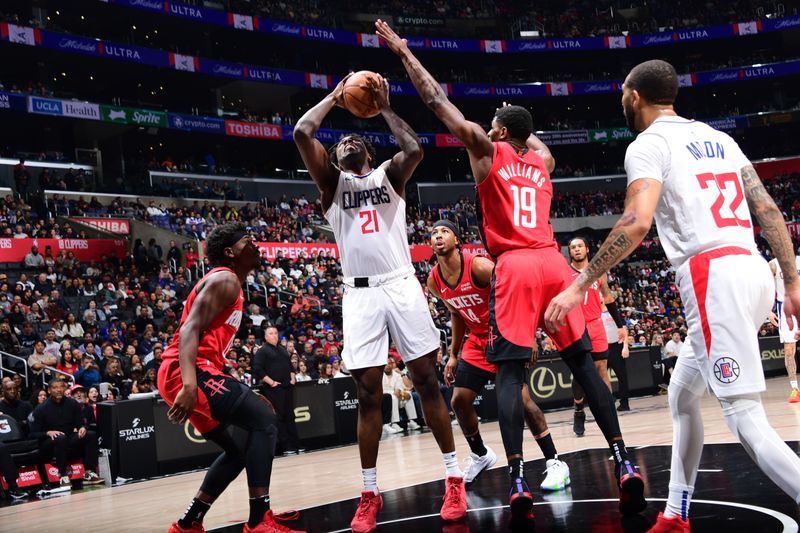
(787, 334)
(366, 208)
(701, 189)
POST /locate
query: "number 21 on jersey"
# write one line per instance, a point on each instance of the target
(524, 206)
(369, 222)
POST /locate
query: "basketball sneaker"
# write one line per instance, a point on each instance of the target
(91, 478)
(269, 525)
(520, 500)
(365, 519)
(476, 464)
(631, 489)
(557, 476)
(670, 525)
(455, 499)
(197, 527)
(578, 423)
(794, 397)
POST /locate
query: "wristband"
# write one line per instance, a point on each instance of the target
(613, 310)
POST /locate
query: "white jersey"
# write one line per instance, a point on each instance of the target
(369, 222)
(612, 331)
(702, 204)
(779, 288)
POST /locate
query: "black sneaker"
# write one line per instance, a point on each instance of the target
(578, 423)
(520, 500)
(623, 407)
(16, 494)
(631, 489)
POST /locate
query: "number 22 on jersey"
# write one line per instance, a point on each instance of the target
(369, 222)
(720, 183)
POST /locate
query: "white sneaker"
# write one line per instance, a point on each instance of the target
(476, 464)
(412, 425)
(394, 428)
(557, 476)
(64, 482)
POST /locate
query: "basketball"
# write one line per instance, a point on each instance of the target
(357, 98)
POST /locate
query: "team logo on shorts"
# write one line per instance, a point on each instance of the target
(726, 370)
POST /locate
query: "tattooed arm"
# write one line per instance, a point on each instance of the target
(763, 207)
(773, 226)
(640, 204)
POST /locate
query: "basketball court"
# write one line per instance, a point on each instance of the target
(325, 484)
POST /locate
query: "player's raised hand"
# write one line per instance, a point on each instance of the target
(380, 91)
(556, 314)
(338, 91)
(791, 306)
(395, 43)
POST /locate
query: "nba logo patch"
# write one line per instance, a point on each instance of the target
(726, 370)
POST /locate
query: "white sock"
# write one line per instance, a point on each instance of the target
(370, 476)
(680, 496)
(451, 464)
(794, 383)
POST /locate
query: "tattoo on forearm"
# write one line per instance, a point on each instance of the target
(773, 225)
(611, 252)
(406, 137)
(427, 87)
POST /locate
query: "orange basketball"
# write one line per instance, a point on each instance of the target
(357, 98)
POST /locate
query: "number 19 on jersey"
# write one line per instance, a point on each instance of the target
(524, 206)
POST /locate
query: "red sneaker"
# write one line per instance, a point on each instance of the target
(455, 499)
(366, 516)
(197, 527)
(670, 525)
(269, 525)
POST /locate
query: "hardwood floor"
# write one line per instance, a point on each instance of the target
(331, 475)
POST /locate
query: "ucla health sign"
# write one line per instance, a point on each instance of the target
(64, 108)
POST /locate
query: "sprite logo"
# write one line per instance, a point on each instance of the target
(146, 117)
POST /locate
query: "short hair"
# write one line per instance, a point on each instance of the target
(220, 238)
(655, 80)
(580, 238)
(517, 120)
(370, 149)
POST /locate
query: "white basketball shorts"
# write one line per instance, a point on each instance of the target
(786, 333)
(371, 314)
(727, 294)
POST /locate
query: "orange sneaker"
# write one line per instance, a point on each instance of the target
(794, 397)
(455, 499)
(366, 517)
(670, 525)
(269, 525)
(197, 527)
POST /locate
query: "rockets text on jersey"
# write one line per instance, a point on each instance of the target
(368, 218)
(514, 202)
(217, 339)
(469, 300)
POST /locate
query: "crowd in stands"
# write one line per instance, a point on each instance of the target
(572, 18)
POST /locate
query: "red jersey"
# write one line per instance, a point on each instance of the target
(592, 301)
(515, 202)
(471, 301)
(217, 339)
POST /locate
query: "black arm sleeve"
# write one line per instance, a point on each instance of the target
(613, 310)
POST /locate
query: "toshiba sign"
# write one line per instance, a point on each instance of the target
(118, 226)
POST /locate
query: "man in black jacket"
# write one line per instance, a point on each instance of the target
(272, 370)
(59, 426)
(12, 406)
